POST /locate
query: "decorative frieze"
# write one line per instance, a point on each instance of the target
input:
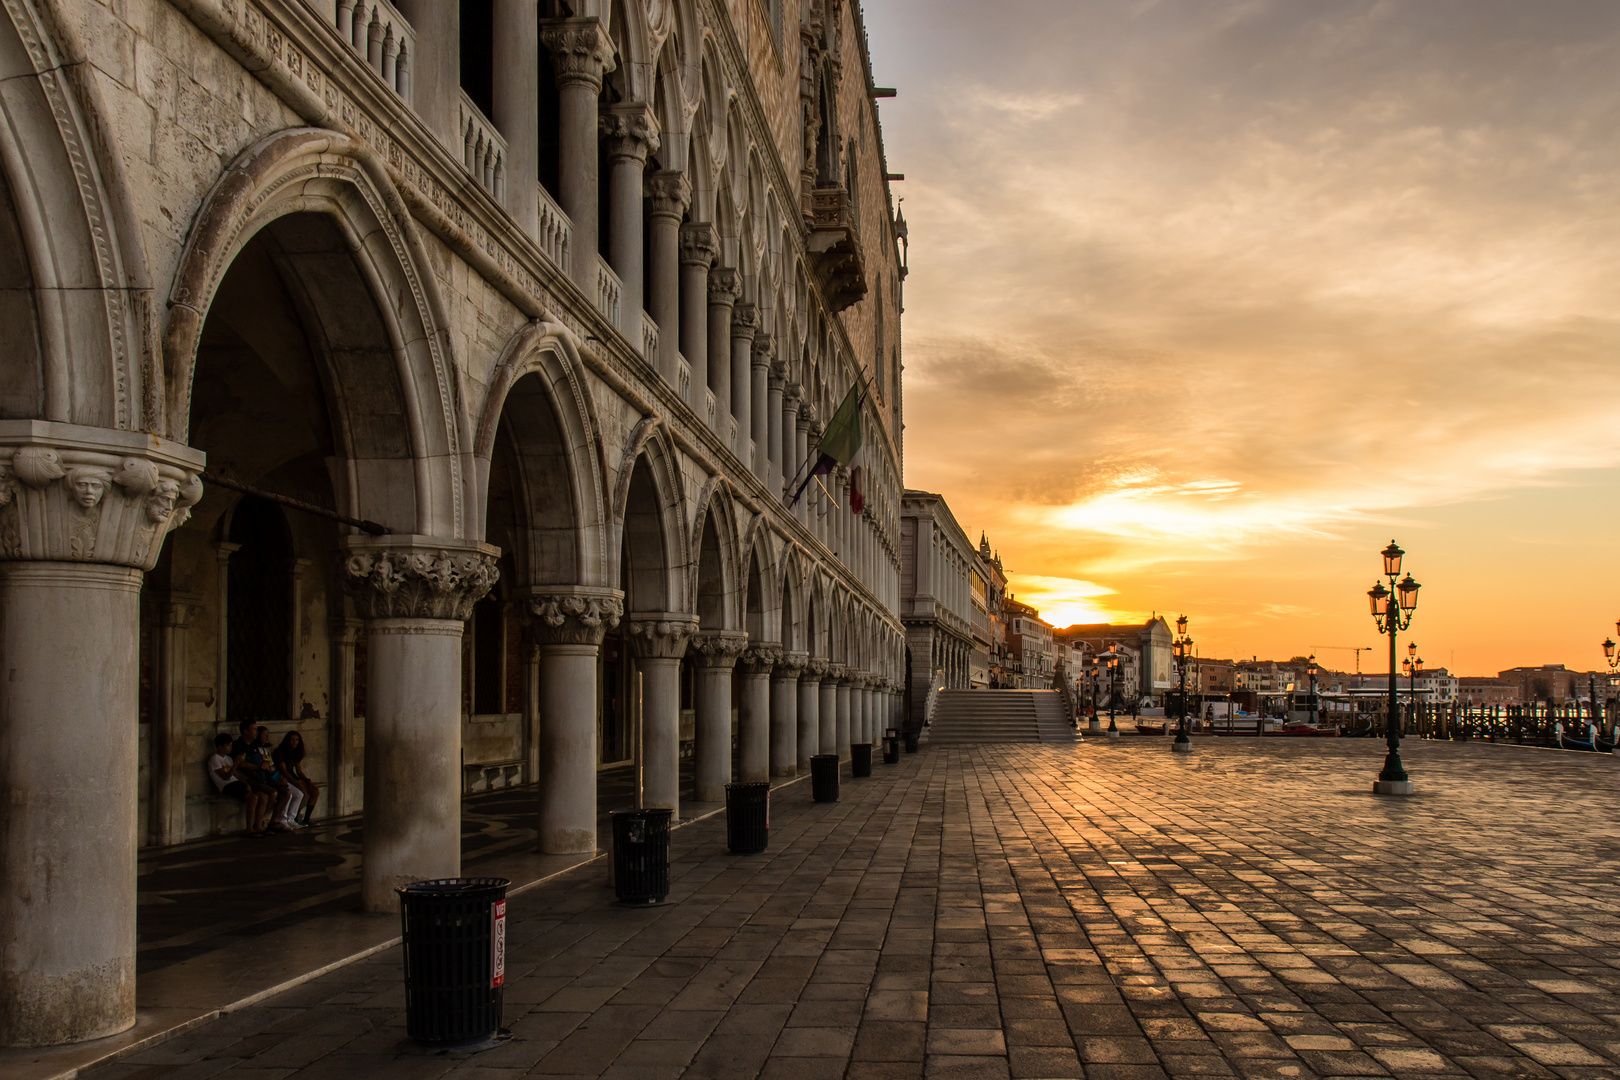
(574, 618)
(78, 494)
(718, 648)
(660, 637)
(417, 577)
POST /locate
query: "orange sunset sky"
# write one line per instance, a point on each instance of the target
(1209, 299)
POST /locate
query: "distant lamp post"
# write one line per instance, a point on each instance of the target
(1614, 663)
(1392, 609)
(1311, 669)
(1112, 658)
(1183, 652)
(1414, 666)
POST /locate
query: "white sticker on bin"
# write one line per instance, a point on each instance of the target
(497, 944)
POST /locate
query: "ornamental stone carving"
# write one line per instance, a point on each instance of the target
(762, 659)
(417, 577)
(581, 51)
(662, 636)
(764, 348)
(575, 618)
(80, 494)
(790, 664)
(725, 285)
(815, 669)
(699, 245)
(669, 193)
(629, 131)
(718, 648)
(744, 320)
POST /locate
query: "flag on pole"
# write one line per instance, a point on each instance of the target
(840, 442)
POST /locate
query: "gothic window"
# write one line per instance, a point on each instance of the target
(258, 612)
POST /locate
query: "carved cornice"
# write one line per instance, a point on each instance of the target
(699, 244)
(744, 321)
(669, 193)
(761, 659)
(630, 131)
(574, 618)
(660, 636)
(717, 648)
(581, 51)
(417, 577)
(725, 285)
(80, 494)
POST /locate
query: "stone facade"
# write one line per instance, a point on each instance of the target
(535, 416)
(937, 602)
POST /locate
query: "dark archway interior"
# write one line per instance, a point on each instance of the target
(258, 612)
(21, 394)
(711, 585)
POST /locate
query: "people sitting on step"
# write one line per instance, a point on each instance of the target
(289, 759)
(256, 803)
(251, 752)
(289, 796)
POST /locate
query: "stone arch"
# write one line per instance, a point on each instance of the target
(77, 307)
(717, 582)
(648, 509)
(328, 174)
(553, 439)
(791, 591)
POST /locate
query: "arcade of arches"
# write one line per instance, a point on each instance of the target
(507, 332)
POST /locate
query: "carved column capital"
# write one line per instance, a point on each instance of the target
(838, 673)
(669, 193)
(744, 321)
(790, 665)
(762, 658)
(660, 635)
(81, 494)
(792, 395)
(764, 349)
(417, 577)
(815, 669)
(630, 130)
(581, 51)
(718, 648)
(575, 616)
(699, 244)
(725, 285)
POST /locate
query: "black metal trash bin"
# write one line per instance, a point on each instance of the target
(748, 816)
(641, 855)
(824, 777)
(860, 759)
(455, 961)
(891, 746)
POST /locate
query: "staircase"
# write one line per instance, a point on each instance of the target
(999, 716)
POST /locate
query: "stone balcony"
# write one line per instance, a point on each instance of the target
(835, 247)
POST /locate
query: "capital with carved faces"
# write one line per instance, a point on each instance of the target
(815, 669)
(581, 51)
(718, 648)
(744, 321)
(699, 244)
(81, 494)
(725, 285)
(762, 658)
(669, 193)
(660, 635)
(764, 348)
(417, 577)
(575, 616)
(630, 131)
(790, 664)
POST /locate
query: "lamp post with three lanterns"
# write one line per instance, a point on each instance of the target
(1392, 609)
(1183, 653)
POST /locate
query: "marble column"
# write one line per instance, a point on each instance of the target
(801, 448)
(699, 247)
(581, 53)
(744, 325)
(785, 715)
(570, 625)
(754, 715)
(869, 712)
(341, 727)
(83, 514)
(515, 67)
(436, 67)
(759, 405)
(724, 288)
(716, 655)
(658, 641)
(815, 670)
(773, 429)
(169, 749)
(669, 193)
(415, 593)
(827, 735)
(790, 439)
(629, 134)
(848, 686)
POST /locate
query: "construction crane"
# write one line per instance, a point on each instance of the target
(1357, 649)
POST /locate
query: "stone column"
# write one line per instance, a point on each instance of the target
(415, 593)
(716, 653)
(785, 715)
(581, 53)
(658, 641)
(869, 713)
(436, 67)
(848, 687)
(629, 134)
(744, 324)
(570, 625)
(168, 748)
(724, 288)
(531, 708)
(516, 104)
(698, 250)
(754, 715)
(790, 438)
(669, 193)
(773, 428)
(340, 769)
(810, 711)
(801, 448)
(827, 734)
(760, 407)
(83, 513)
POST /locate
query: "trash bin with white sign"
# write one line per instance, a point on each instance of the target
(455, 962)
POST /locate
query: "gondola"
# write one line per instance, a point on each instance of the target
(1308, 732)
(1568, 742)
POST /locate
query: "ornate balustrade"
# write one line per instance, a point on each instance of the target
(556, 231)
(608, 288)
(379, 33)
(483, 149)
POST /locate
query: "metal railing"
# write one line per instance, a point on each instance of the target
(483, 149)
(555, 231)
(379, 33)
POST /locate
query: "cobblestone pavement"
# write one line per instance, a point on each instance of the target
(1102, 911)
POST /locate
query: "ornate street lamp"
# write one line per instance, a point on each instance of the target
(1112, 658)
(1614, 663)
(1311, 669)
(1392, 610)
(1413, 665)
(1183, 652)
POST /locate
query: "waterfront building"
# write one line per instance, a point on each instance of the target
(989, 627)
(425, 378)
(1030, 645)
(936, 599)
(1150, 643)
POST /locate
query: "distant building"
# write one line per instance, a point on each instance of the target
(1152, 665)
(987, 666)
(1473, 690)
(1030, 645)
(937, 607)
(1548, 682)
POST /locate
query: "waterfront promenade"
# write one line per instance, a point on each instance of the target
(1104, 910)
